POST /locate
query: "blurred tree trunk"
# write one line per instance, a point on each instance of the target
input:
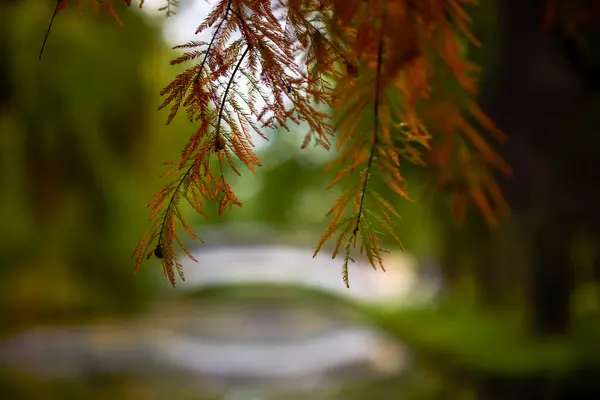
(536, 91)
(542, 96)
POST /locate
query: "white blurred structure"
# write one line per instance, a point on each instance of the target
(246, 253)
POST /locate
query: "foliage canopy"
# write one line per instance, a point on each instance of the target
(397, 87)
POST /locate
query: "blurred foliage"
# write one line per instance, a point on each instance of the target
(289, 193)
(476, 340)
(79, 145)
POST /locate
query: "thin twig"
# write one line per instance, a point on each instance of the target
(375, 131)
(227, 89)
(197, 78)
(49, 27)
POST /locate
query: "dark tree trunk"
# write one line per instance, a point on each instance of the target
(536, 90)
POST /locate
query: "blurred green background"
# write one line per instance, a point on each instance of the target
(81, 149)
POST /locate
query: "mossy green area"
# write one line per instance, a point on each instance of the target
(477, 341)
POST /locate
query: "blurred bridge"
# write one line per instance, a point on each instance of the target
(246, 254)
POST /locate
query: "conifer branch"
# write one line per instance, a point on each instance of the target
(169, 8)
(375, 129)
(203, 63)
(424, 40)
(169, 209)
(212, 40)
(237, 66)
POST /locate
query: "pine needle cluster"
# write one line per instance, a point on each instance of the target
(394, 74)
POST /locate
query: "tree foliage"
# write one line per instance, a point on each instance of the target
(394, 77)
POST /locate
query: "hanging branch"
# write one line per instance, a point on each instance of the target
(348, 60)
(358, 226)
(375, 131)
